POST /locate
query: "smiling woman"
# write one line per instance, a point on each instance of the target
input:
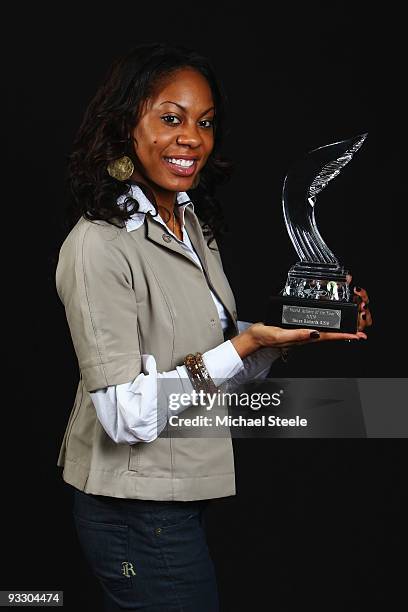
(151, 314)
(174, 135)
(140, 292)
(158, 105)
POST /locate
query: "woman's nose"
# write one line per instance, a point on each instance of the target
(189, 135)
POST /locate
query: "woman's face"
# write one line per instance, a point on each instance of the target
(176, 123)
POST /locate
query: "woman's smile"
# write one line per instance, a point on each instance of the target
(182, 166)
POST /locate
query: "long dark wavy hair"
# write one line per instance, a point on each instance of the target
(110, 117)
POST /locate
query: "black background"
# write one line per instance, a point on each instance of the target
(315, 522)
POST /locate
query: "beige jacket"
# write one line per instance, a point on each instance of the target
(127, 293)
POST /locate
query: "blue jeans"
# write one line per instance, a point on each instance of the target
(147, 555)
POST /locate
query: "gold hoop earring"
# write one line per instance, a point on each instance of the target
(121, 169)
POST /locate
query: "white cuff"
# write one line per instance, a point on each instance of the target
(223, 361)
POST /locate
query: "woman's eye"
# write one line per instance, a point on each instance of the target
(171, 122)
(210, 121)
(170, 117)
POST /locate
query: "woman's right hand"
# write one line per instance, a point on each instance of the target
(259, 335)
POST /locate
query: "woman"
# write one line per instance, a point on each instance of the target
(151, 312)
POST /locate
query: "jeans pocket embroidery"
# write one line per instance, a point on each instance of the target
(106, 547)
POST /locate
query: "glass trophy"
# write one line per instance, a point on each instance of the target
(316, 292)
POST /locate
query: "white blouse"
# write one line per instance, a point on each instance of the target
(130, 412)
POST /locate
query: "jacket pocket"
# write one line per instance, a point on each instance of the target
(74, 413)
(134, 457)
(106, 548)
(173, 515)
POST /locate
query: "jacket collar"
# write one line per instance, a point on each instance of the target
(155, 229)
(155, 233)
(145, 206)
(158, 234)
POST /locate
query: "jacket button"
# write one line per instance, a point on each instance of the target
(157, 531)
(234, 314)
(212, 322)
(166, 238)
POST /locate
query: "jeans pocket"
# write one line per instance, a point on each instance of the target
(106, 548)
(174, 516)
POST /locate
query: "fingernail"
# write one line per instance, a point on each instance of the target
(364, 317)
(314, 334)
(358, 288)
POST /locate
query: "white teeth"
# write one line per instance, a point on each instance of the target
(180, 162)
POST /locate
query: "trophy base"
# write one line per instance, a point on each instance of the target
(323, 315)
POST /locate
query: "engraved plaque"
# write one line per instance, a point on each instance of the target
(315, 317)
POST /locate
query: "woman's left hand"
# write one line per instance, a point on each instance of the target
(360, 297)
